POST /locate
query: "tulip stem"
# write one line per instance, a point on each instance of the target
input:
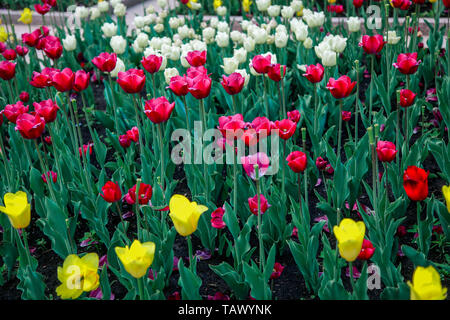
(138, 215)
(371, 88)
(141, 287)
(406, 120)
(154, 86)
(279, 101)
(316, 116)
(45, 170)
(234, 103)
(5, 162)
(350, 267)
(356, 108)
(283, 171)
(282, 96)
(191, 257)
(116, 119)
(161, 144)
(340, 129)
(188, 124)
(266, 102)
(261, 244)
(205, 171)
(119, 212)
(234, 184)
(138, 124)
(300, 197)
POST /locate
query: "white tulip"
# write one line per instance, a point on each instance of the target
(109, 29)
(183, 31)
(270, 39)
(249, 44)
(162, 3)
(118, 44)
(274, 11)
(313, 19)
(263, 5)
(222, 26)
(159, 27)
(173, 23)
(95, 13)
(103, 6)
(115, 2)
(392, 38)
(213, 22)
(281, 39)
(230, 65)
(260, 36)
(297, 5)
(338, 44)
(354, 24)
(198, 45)
(244, 74)
(208, 34)
(222, 39)
(120, 10)
(142, 40)
(150, 9)
(120, 67)
(245, 25)
(236, 36)
(195, 6)
(287, 12)
(240, 54)
(169, 73)
(301, 32)
(329, 58)
(155, 43)
(321, 48)
(221, 11)
(70, 43)
(174, 54)
(302, 67)
(308, 43)
(183, 59)
(81, 12)
(136, 47)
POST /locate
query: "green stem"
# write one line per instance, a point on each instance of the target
(140, 283)
(161, 144)
(119, 212)
(205, 171)
(191, 256)
(188, 124)
(371, 88)
(266, 102)
(115, 110)
(340, 129)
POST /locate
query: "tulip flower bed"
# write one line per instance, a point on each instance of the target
(279, 157)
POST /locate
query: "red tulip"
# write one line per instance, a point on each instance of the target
(31, 39)
(12, 111)
(179, 85)
(105, 62)
(152, 63)
(386, 151)
(63, 81)
(50, 174)
(407, 63)
(407, 98)
(297, 161)
(277, 270)
(81, 81)
(30, 126)
(48, 140)
(196, 58)
(200, 86)
(193, 72)
(158, 110)
(340, 88)
(53, 47)
(286, 128)
(372, 44)
(415, 183)
(145, 194)
(367, 250)
(250, 137)
(294, 115)
(7, 70)
(2, 47)
(231, 126)
(346, 115)
(9, 54)
(124, 141)
(133, 134)
(261, 64)
(329, 169)
(22, 51)
(314, 73)
(43, 79)
(446, 3)
(131, 81)
(42, 8)
(51, 3)
(217, 218)
(253, 204)
(47, 109)
(274, 72)
(263, 126)
(111, 192)
(24, 96)
(86, 147)
(321, 163)
(261, 159)
(337, 8)
(233, 84)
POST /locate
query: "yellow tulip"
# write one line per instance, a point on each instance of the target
(446, 192)
(331, 1)
(78, 275)
(433, 1)
(17, 209)
(427, 285)
(185, 214)
(26, 16)
(138, 258)
(246, 5)
(217, 3)
(189, 4)
(3, 34)
(350, 236)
